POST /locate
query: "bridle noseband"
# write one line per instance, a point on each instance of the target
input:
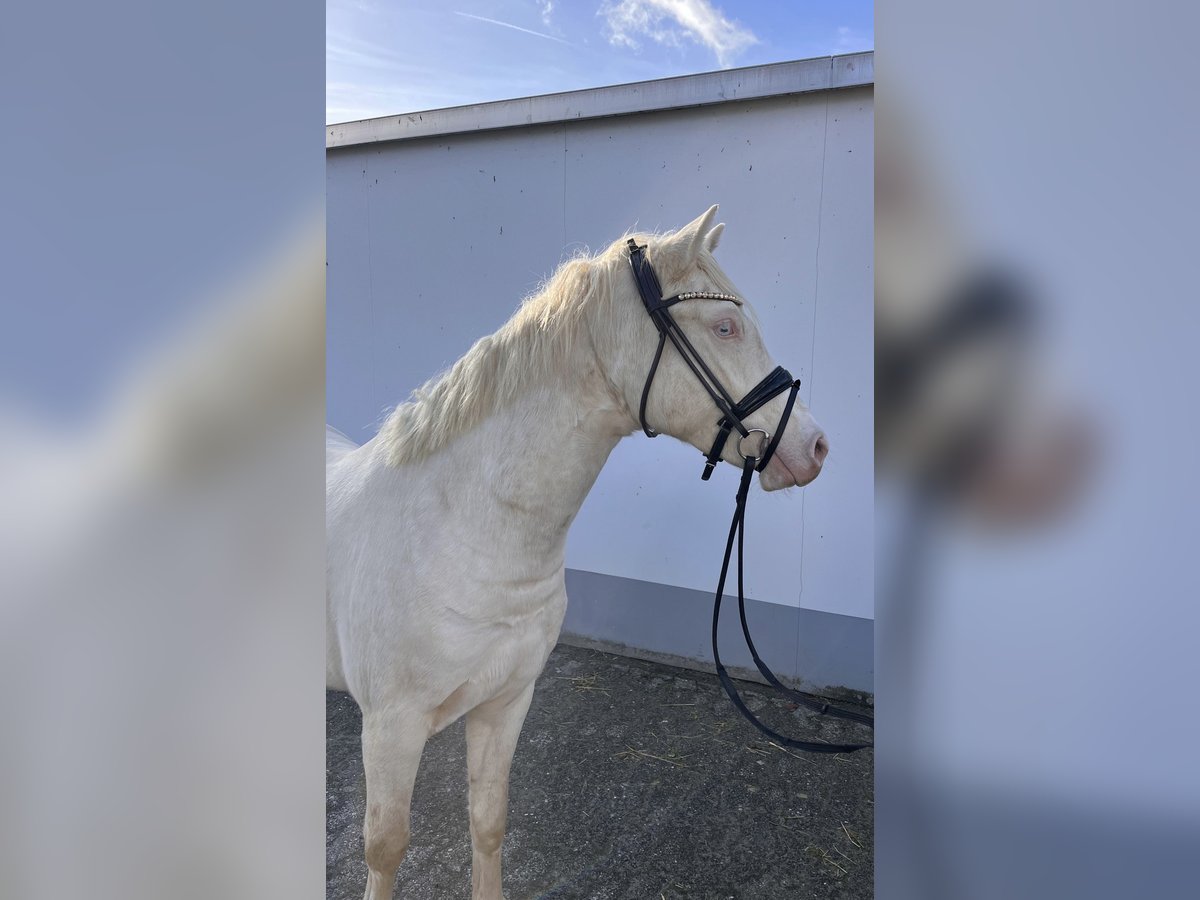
(733, 415)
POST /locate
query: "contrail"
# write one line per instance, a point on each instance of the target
(540, 34)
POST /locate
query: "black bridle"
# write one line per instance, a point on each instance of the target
(733, 414)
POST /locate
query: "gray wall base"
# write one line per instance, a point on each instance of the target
(814, 651)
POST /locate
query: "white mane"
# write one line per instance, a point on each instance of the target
(534, 345)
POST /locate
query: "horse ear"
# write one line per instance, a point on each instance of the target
(714, 237)
(685, 245)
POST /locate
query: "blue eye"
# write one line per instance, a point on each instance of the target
(724, 328)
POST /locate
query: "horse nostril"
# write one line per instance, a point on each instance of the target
(820, 449)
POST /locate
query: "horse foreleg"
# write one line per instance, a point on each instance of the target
(392, 745)
(492, 731)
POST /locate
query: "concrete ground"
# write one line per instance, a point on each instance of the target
(632, 781)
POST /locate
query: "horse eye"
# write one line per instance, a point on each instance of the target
(724, 328)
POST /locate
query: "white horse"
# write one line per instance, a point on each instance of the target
(446, 532)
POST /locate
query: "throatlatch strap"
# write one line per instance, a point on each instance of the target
(736, 533)
(662, 342)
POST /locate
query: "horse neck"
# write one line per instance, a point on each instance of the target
(533, 462)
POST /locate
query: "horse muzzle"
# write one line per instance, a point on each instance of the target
(796, 464)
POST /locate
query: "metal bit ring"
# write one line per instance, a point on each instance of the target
(762, 447)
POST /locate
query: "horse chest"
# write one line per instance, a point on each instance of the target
(494, 656)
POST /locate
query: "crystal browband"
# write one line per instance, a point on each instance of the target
(709, 295)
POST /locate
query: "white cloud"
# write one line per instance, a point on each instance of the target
(670, 22)
(547, 8)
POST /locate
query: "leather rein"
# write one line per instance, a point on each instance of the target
(732, 415)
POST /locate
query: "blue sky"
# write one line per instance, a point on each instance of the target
(385, 57)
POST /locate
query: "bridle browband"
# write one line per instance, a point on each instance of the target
(733, 414)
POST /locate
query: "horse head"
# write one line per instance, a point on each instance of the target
(725, 334)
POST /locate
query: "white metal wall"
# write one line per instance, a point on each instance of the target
(433, 242)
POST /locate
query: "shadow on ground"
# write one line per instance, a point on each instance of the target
(632, 781)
